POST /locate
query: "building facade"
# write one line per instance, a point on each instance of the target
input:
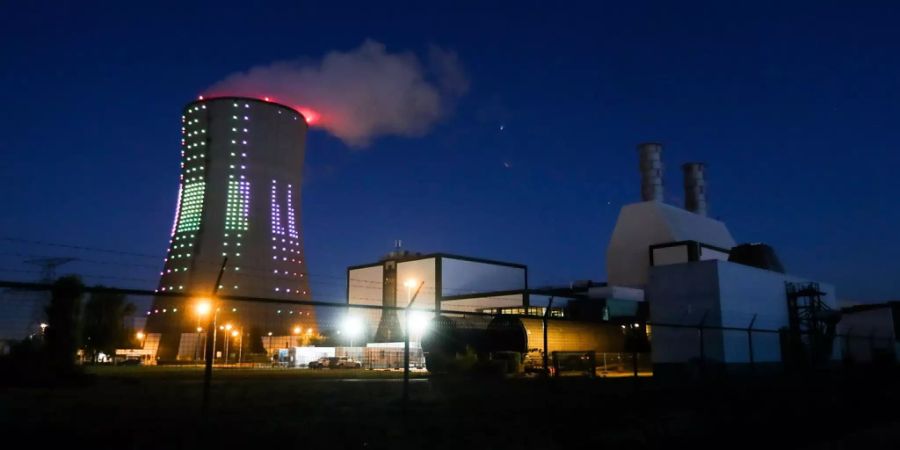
(445, 283)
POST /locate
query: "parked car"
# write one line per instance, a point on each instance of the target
(335, 362)
(320, 363)
(345, 362)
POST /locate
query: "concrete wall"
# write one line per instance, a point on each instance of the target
(466, 277)
(475, 304)
(365, 288)
(416, 271)
(681, 294)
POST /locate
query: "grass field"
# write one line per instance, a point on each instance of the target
(159, 408)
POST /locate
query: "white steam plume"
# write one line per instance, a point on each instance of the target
(360, 94)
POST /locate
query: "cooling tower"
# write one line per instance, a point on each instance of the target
(238, 197)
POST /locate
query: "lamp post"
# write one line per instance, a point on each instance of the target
(406, 348)
(204, 308)
(351, 326)
(227, 328)
(197, 349)
(211, 326)
(237, 333)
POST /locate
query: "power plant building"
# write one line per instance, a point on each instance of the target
(443, 281)
(694, 274)
(238, 198)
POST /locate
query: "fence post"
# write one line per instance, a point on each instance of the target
(750, 345)
(546, 324)
(848, 357)
(634, 364)
(872, 346)
(406, 347)
(702, 345)
(210, 344)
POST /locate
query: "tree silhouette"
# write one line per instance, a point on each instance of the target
(62, 320)
(103, 322)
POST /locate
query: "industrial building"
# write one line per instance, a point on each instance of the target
(693, 272)
(678, 285)
(439, 281)
(878, 329)
(238, 197)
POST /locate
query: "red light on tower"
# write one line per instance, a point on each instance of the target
(266, 98)
(311, 116)
(200, 97)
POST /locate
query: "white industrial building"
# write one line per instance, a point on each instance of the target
(685, 264)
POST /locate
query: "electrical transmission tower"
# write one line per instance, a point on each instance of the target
(48, 266)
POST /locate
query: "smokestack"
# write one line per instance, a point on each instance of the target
(651, 171)
(694, 187)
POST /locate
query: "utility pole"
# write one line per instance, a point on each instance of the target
(210, 350)
(241, 348)
(546, 322)
(406, 312)
(750, 344)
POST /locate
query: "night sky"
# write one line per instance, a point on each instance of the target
(794, 107)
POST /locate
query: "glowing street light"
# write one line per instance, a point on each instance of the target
(204, 306)
(410, 284)
(352, 327)
(234, 333)
(140, 335)
(419, 322)
(297, 330)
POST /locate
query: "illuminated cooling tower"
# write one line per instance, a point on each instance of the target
(239, 196)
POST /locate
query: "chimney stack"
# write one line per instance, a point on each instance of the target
(651, 171)
(694, 188)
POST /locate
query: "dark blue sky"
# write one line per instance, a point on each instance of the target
(794, 106)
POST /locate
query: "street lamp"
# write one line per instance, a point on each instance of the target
(418, 323)
(352, 326)
(409, 284)
(203, 308)
(227, 327)
(234, 334)
(296, 331)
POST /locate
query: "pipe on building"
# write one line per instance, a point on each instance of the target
(694, 187)
(651, 171)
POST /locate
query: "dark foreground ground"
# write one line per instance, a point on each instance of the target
(159, 408)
